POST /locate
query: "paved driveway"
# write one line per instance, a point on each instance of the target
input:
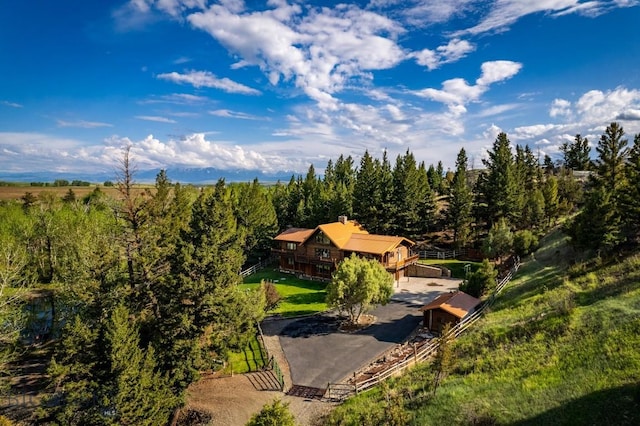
(318, 353)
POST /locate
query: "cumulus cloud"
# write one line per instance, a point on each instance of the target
(453, 51)
(318, 52)
(206, 79)
(560, 108)
(456, 92)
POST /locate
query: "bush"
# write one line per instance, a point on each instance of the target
(524, 242)
(482, 281)
(271, 294)
(275, 414)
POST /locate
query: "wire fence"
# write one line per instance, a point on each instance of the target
(341, 391)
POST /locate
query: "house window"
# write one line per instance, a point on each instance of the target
(323, 253)
(323, 269)
(292, 246)
(290, 261)
(322, 239)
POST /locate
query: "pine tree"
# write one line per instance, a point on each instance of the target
(459, 211)
(630, 199)
(497, 184)
(136, 392)
(551, 201)
(367, 194)
(576, 156)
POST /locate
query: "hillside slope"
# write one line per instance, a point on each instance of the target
(560, 346)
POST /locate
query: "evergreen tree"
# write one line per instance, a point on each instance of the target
(388, 209)
(630, 200)
(499, 241)
(200, 305)
(256, 216)
(406, 191)
(426, 207)
(367, 194)
(551, 201)
(576, 156)
(612, 155)
(459, 211)
(136, 392)
(498, 183)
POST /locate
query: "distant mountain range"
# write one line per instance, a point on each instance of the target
(206, 175)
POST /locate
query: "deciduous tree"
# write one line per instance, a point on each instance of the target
(357, 285)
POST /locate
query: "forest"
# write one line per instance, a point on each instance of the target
(144, 285)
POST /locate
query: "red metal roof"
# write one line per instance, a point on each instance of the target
(457, 303)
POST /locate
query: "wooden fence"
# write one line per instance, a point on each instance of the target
(341, 391)
(255, 268)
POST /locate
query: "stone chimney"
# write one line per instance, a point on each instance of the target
(343, 219)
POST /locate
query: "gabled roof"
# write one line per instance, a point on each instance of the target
(348, 236)
(295, 235)
(339, 233)
(374, 244)
(458, 304)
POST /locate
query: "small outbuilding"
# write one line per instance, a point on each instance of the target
(448, 308)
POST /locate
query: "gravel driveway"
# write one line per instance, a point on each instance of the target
(318, 353)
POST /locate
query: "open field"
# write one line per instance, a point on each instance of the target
(299, 297)
(16, 192)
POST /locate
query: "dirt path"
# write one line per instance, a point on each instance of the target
(233, 400)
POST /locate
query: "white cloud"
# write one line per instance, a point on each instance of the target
(456, 92)
(319, 52)
(234, 114)
(560, 108)
(496, 110)
(495, 71)
(504, 13)
(82, 124)
(206, 79)
(155, 118)
(10, 104)
(455, 50)
(178, 99)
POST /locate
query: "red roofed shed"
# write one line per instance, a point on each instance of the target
(448, 308)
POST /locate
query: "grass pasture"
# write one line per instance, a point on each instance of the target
(299, 297)
(560, 346)
(455, 266)
(8, 193)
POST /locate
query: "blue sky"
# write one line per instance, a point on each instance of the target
(276, 85)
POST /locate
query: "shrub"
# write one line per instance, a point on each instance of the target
(524, 242)
(275, 414)
(482, 281)
(271, 294)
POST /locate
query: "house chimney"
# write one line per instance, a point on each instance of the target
(343, 219)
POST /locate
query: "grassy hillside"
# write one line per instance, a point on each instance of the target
(560, 346)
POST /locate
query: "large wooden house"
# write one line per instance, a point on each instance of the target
(317, 252)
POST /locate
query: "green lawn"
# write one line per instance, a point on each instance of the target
(299, 297)
(252, 358)
(455, 266)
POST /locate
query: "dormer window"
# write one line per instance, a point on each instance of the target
(322, 239)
